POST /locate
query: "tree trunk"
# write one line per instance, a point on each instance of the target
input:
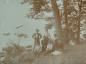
(66, 34)
(78, 23)
(57, 16)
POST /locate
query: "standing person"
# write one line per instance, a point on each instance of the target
(44, 43)
(49, 45)
(37, 37)
(55, 44)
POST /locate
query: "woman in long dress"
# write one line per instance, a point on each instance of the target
(44, 43)
(50, 45)
(37, 37)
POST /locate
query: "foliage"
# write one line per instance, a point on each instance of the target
(69, 14)
(17, 54)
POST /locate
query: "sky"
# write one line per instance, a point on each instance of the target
(13, 14)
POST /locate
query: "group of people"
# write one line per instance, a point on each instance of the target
(45, 43)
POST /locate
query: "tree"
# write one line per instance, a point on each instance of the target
(66, 20)
(57, 16)
(69, 16)
(43, 5)
(74, 14)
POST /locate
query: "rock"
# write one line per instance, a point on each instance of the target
(56, 53)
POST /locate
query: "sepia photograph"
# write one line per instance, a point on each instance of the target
(42, 31)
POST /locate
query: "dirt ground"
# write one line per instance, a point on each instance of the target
(72, 55)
